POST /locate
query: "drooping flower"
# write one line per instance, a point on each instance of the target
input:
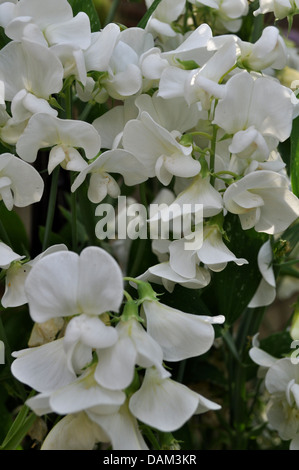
(165, 404)
(7, 256)
(158, 150)
(266, 291)
(16, 276)
(262, 200)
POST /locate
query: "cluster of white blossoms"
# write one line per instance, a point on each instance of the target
(89, 373)
(203, 115)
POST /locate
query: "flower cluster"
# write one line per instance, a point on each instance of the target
(195, 112)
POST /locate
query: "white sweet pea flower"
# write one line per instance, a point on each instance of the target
(158, 150)
(180, 335)
(32, 67)
(266, 291)
(20, 184)
(280, 8)
(262, 200)
(173, 115)
(16, 276)
(265, 107)
(214, 254)
(23, 106)
(282, 382)
(199, 84)
(192, 48)
(227, 12)
(165, 404)
(111, 125)
(102, 183)
(260, 357)
(268, 51)
(116, 365)
(64, 136)
(74, 432)
(124, 77)
(90, 283)
(45, 23)
(8, 256)
(163, 274)
(121, 427)
(159, 23)
(44, 368)
(200, 191)
(84, 393)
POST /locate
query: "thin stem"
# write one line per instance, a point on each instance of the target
(8, 358)
(213, 154)
(74, 217)
(85, 112)
(51, 207)
(138, 257)
(69, 113)
(142, 192)
(112, 11)
(4, 235)
(143, 22)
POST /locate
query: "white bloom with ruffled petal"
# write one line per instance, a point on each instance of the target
(163, 274)
(32, 67)
(280, 8)
(158, 150)
(102, 183)
(46, 23)
(8, 256)
(166, 405)
(16, 276)
(266, 291)
(64, 136)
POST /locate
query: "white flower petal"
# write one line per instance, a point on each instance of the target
(43, 368)
(100, 283)
(181, 335)
(82, 394)
(162, 403)
(74, 432)
(51, 286)
(122, 428)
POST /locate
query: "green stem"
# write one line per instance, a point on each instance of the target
(112, 12)
(142, 192)
(213, 154)
(51, 207)
(74, 217)
(8, 357)
(85, 112)
(4, 235)
(138, 257)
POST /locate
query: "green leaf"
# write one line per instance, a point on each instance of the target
(295, 157)
(87, 7)
(143, 22)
